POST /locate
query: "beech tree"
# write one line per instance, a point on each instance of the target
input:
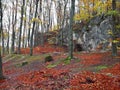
(114, 45)
(25, 26)
(21, 22)
(2, 32)
(41, 23)
(71, 28)
(1, 16)
(33, 29)
(49, 5)
(63, 20)
(14, 21)
(29, 24)
(8, 37)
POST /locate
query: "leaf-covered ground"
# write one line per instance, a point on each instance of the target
(87, 71)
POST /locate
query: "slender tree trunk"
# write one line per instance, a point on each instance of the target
(8, 36)
(30, 12)
(1, 15)
(42, 25)
(25, 46)
(21, 22)
(42, 36)
(36, 41)
(59, 12)
(15, 22)
(49, 15)
(13, 31)
(44, 29)
(71, 29)
(1, 32)
(33, 29)
(1, 71)
(23, 42)
(3, 47)
(114, 45)
(24, 30)
(63, 21)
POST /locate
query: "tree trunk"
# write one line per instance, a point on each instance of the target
(42, 36)
(3, 47)
(114, 45)
(30, 17)
(49, 15)
(1, 32)
(24, 30)
(15, 22)
(21, 22)
(42, 25)
(71, 29)
(13, 31)
(1, 15)
(8, 37)
(63, 21)
(33, 29)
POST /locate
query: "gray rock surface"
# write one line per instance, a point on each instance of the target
(94, 34)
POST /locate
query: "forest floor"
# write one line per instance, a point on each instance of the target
(87, 71)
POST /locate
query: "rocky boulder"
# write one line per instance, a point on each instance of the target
(93, 35)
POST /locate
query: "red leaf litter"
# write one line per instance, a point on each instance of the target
(47, 79)
(91, 59)
(114, 70)
(53, 79)
(94, 81)
(62, 77)
(47, 48)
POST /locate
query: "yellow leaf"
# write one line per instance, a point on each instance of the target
(115, 41)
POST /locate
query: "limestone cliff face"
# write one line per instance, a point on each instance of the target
(92, 35)
(96, 35)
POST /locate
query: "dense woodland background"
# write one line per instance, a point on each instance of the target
(29, 23)
(73, 25)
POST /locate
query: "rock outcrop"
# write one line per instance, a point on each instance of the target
(93, 35)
